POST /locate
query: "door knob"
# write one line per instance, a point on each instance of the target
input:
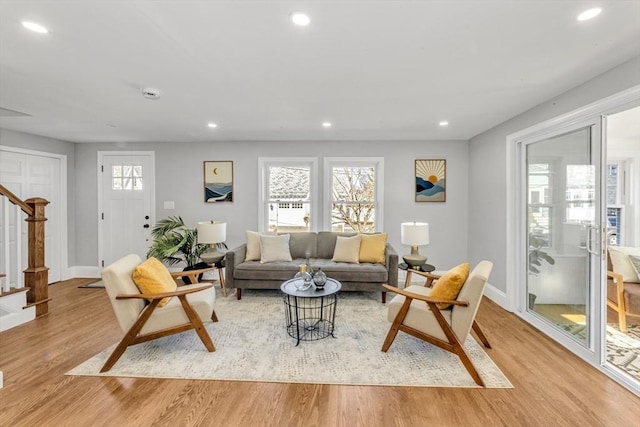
(146, 226)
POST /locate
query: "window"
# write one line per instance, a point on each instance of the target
(353, 191)
(288, 194)
(126, 177)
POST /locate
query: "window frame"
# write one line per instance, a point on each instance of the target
(264, 163)
(378, 165)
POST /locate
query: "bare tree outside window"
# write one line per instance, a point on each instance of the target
(353, 204)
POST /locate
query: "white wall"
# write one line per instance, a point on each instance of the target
(488, 165)
(179, 178)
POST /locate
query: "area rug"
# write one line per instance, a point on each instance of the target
(623, 348)
(252, 344)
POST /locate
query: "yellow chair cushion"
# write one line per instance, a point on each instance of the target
(448, 286)
(372, 247)
(152, 277)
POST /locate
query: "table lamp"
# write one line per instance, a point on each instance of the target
(414, 234)
(212, 233)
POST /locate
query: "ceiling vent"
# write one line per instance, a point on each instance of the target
(150, 93)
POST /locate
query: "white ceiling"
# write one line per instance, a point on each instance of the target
(378, 70)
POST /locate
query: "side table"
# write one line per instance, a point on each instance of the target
(310, 314)
(424, 271)
(193, 275)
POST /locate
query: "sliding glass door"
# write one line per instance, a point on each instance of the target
(563, 232)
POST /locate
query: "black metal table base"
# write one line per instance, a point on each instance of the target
(310, 319)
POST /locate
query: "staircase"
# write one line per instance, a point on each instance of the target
(23, 297)
(13, 306)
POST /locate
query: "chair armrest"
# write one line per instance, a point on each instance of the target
(191, 274)
(426, 298)
(183, 290)
(234, 257)
(619, 281)
(391, 262)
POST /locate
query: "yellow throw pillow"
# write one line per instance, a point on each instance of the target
(448, 286)
(152, 277)
(372, 248)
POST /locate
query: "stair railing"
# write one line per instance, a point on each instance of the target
(36, 275)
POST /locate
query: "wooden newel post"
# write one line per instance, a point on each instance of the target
(36, 276)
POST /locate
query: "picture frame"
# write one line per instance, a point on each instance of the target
(430, 180)
(218, 181)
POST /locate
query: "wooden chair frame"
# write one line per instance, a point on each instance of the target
(452, 344)
(132, 336)
(620, 307)
(193, 276)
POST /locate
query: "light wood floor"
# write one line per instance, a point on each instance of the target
(551, 386)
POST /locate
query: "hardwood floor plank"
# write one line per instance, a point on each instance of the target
(551, 385)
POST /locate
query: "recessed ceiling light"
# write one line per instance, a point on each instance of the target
(444, 123)
(326, 124)
(299, 18)
(212, 125)
(589, 14)
(35, 27)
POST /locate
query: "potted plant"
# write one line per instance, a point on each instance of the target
(174, 242)
(536, 257)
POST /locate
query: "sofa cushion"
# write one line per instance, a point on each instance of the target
(622, 264)
(274, 248)
(449, 284)
(152, 277)
(347, 249)
(253, 246)
(372, 248)
(341, 271)
(327, 243)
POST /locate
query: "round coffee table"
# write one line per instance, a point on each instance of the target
(310, 314)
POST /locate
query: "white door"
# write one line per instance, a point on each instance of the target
(33, 175)
(126, 204)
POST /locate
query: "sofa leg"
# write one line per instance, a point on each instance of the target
(384, 297)
(238, 293)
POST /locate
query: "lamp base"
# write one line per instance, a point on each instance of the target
(212, 257)
(414, 261)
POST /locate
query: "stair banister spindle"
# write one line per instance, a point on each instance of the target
(6, 285)
(19, 281)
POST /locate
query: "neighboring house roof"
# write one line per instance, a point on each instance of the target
(289, 183)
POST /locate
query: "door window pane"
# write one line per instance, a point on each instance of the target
(126, 177)
(561, 186)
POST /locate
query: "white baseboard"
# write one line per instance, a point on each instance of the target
(496, 295)
(84, 271)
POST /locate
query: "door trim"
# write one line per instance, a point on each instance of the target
(65, 272)
(99, 225)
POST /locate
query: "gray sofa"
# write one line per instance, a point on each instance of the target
(319, 246)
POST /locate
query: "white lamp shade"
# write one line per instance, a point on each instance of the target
(415, 233)
(212, 232)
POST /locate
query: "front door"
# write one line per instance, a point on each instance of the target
(126, 211)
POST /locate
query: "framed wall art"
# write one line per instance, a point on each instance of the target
(430, 181)
(218, 182)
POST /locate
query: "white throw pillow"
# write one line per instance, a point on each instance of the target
(622, 264)
(347, 249)
(274, 248)
(253, 246)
